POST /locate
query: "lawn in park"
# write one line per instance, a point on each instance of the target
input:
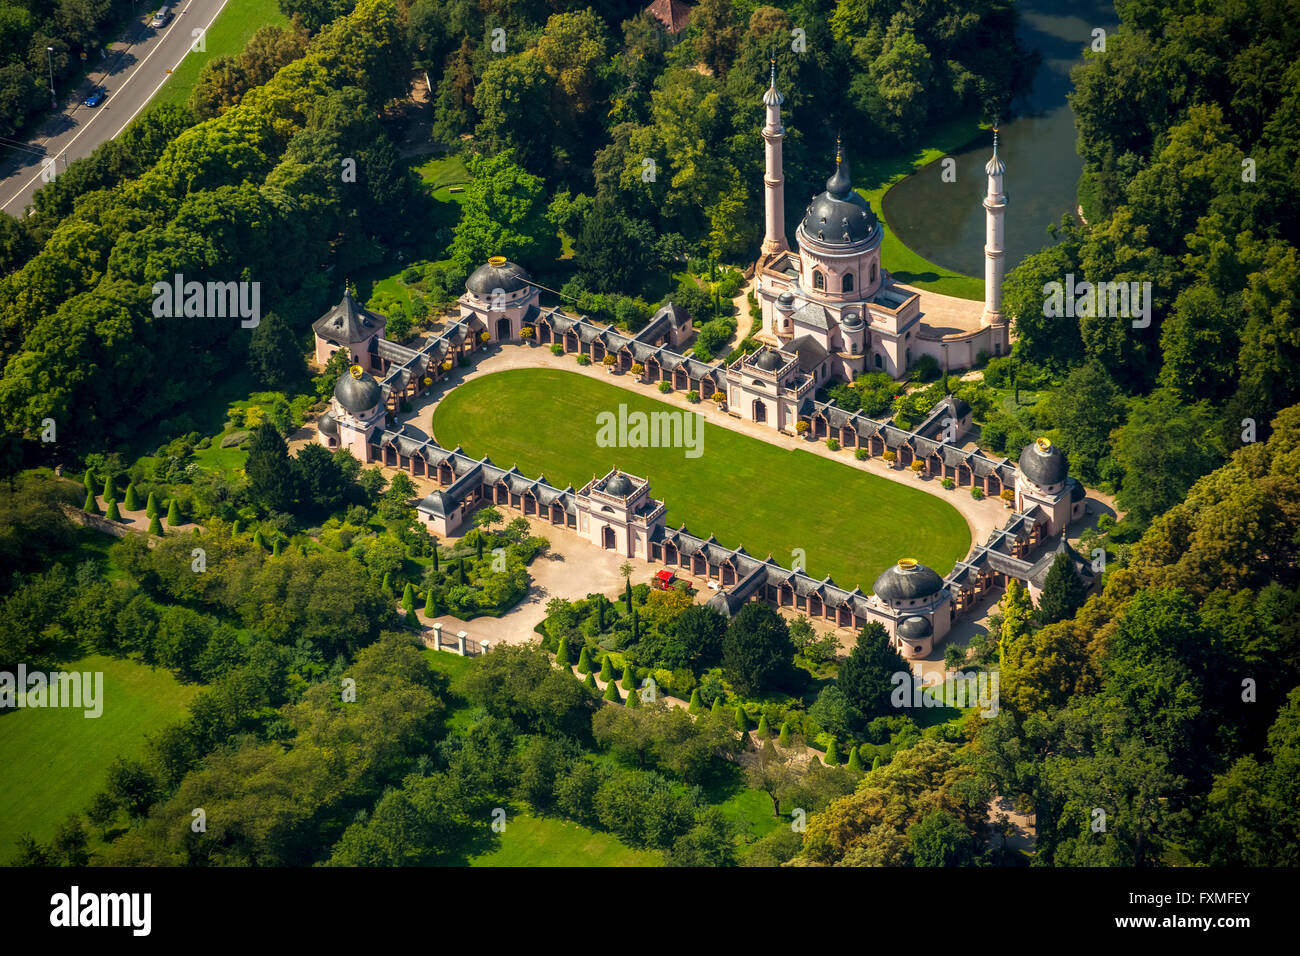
(55, 759)
(227, 36)
(545, 841)
(875, 177)
(850, 523)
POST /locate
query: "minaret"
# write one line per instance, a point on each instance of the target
(773, 181)
(995, 206)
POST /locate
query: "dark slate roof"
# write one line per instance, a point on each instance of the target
(491, 276)
(810, 351)
(904, 584)
(357, 391)
(1082, 568)
(813, 315)
(915, 628)
(327, 425)
(436, 503)
(348, 323)
(839, 216)
(1043, 465)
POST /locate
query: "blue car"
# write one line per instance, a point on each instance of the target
(96, 96)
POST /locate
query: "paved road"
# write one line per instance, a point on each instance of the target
(132, 72)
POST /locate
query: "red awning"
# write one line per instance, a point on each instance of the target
(665, 575)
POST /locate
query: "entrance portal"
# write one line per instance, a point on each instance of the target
(503, 329)
(760, 410)
(607, 538)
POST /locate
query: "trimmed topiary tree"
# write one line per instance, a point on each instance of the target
(606, 669)
(111, 512)
(132, 501)
(234, 525)
(434, 556)
(742, 722)
(875, 762)
(89, 481)
(784, 739)
(833, 754)
(633, 698)
(155, 526)
(764, 731)
(259, 539)
(430, 604)
(717, 706)
(151, 510)
(408, 601)
(590, 681)
(696, 706)
(91, 506)
(386, 584)
(110, 489)
(611, 692)
(276, 547)
(855, 762)
(561, 653)
(584, 661)
(173, 514)
(629, 678)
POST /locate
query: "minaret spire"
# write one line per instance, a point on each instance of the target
(995, 207)
(774, 240)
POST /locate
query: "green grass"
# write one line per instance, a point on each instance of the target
(543, 841)
(440, 173)
(55, 759)
(751, 811)
(227, 36)
(851, 523)
(876, 177)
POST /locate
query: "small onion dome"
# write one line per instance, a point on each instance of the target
(357, 391)
(915, 628)
(768, 361)
(497, 273)
(1077, 491)
(1043, 463)
(618, 485)
(907, 581)
(851, 320)
(327, 425)
(785, 300)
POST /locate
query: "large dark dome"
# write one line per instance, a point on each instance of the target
(618, 485)
(906, 581)
(326, 425)
(1043, 463)
(495, 274)
(915, 628)
(839, 216)
(769, 361)
(357, 391)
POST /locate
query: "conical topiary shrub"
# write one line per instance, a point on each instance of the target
(277, 546)
(132, 501)
(562, 653)
(590, 681)
(173, 514)
(155, 526)
(110, 489)
(784, 739)
(855, 761)
(584, 661)
(434, 556)
(151, 510)
(91, 506)
(111, 512)
(633, 699)
(606, 669)
(717, 705)
(259, 539)
(875, 762)
(742, 722)
(430, 604)
(386, 584)
(833, 754)
(629, 677)
(611, 692)
(764, 731)
(408, 601)
(234, 525)
(88, 480)
(695, 706)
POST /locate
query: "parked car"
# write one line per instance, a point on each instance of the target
(161, 18)
(96, 96)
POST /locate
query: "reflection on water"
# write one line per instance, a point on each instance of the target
(944, 221)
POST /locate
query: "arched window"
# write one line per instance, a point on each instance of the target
(873, 273)
(819, 281)
(848, 282)
(879, 364)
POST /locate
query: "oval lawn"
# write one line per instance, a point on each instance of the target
(849, 523)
